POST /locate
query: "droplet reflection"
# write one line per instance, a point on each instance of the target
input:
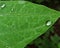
(3, 5)
(48, 23)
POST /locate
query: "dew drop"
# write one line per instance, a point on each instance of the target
(8, 46)
(12, 9)
(48, 23)
(1, 15)
(3, 5)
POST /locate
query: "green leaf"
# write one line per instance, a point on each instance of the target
(22, 21)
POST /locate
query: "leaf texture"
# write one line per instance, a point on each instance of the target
(22, 21)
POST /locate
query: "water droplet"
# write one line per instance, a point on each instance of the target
(8, 46)
(3, 5)
(1, 15)
(12, 9)
(22, 2)
(48, 23)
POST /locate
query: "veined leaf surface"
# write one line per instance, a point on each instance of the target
(22, 21)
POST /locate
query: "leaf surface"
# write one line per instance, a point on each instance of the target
(22, 21)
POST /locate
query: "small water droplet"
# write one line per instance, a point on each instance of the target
(3, 5)
(48, 23)
(22, 2)
(8, 46)
(12, 9)
(1, 15)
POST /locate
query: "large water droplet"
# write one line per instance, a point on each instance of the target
(48, 23)
(3, 5)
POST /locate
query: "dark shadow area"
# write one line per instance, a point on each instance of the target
(53, 4)
(57, 27)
